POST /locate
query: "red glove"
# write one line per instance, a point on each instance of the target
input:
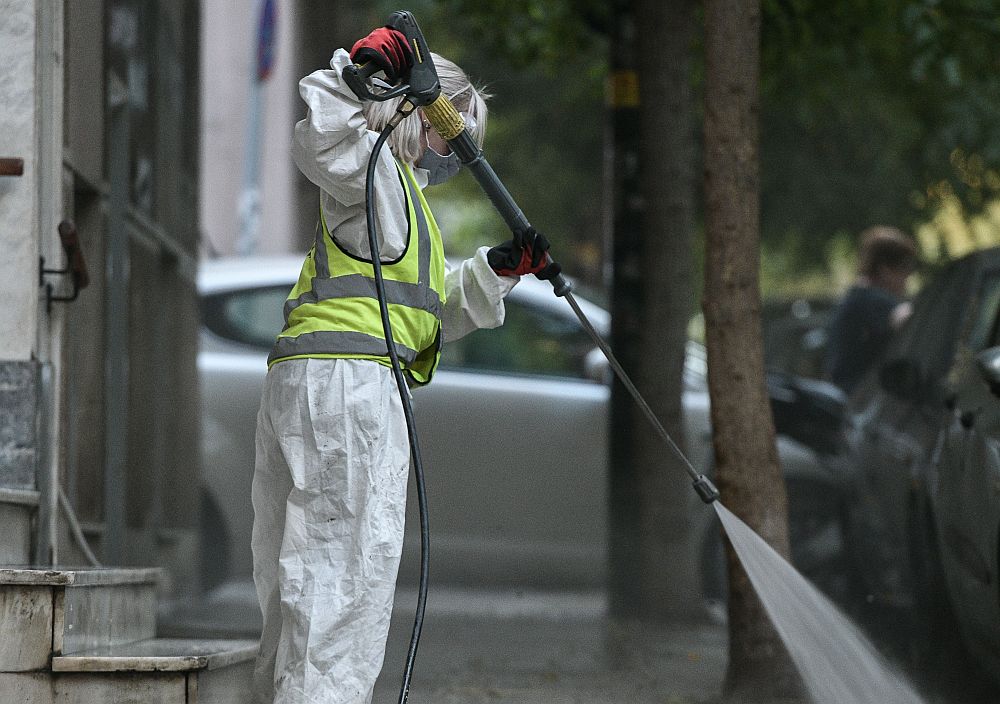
(388, 49)
(524, 254)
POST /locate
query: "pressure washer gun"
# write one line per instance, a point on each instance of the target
(422, 89)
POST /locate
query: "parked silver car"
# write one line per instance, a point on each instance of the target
(539, 519)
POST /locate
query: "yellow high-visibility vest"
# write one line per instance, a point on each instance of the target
(333, 310)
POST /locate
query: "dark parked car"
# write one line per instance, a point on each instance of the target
(924, 454)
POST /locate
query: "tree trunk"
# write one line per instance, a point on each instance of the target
(748, 473)
(652, 108)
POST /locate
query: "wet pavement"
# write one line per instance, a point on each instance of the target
(533, 648)
(491, 648)
(505, 647)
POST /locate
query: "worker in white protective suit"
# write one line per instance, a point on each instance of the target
(329, 485)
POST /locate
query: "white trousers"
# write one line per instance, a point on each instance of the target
(329, 495)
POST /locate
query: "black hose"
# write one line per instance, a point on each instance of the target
(404, 395)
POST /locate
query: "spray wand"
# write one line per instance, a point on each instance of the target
(421, 88)
(424, 90)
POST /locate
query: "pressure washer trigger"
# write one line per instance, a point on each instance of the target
(423, 85)
(706, 489)
(356, 77)
(420, 85)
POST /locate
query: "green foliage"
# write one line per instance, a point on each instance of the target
(545, 129)
(543, 33)
(873, 111)
(865, 104)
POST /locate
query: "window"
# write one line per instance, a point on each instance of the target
(984, 331)
(251, 316)
(931, 335)
(531, 341)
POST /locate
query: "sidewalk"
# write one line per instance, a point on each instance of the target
(511, 647)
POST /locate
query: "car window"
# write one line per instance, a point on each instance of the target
(532, 340)
(939, 311)
(695, 367)
(984, 328)
(250, 316)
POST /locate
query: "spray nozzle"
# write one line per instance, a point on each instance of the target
(706, 489)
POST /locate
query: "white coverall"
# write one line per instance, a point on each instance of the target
(329, 485)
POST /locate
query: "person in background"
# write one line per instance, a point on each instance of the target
(329, 484)
(873, 308)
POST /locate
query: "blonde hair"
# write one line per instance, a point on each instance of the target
(405, 139)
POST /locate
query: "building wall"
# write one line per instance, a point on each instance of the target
(99, 396)
(20, 244)
(30, 121)
(18, 195)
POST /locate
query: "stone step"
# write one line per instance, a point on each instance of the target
(60, 611)
(155, 671)
(159, 655)
(17, 506)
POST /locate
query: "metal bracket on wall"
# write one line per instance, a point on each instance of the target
(76, 267)
(11, 166)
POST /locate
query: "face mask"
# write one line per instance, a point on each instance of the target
(439, 168)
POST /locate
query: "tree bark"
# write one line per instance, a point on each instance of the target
(748, 473)
(654, 202)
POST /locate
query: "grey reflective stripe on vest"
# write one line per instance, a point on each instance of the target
(324, 287)
(360, 286)
(337, 342)
(423, 241)
(320, 261)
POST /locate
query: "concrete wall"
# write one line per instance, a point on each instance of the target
(30, 206)
(18, 195)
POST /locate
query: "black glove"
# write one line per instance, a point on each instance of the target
(387, 47)
(524, 254)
